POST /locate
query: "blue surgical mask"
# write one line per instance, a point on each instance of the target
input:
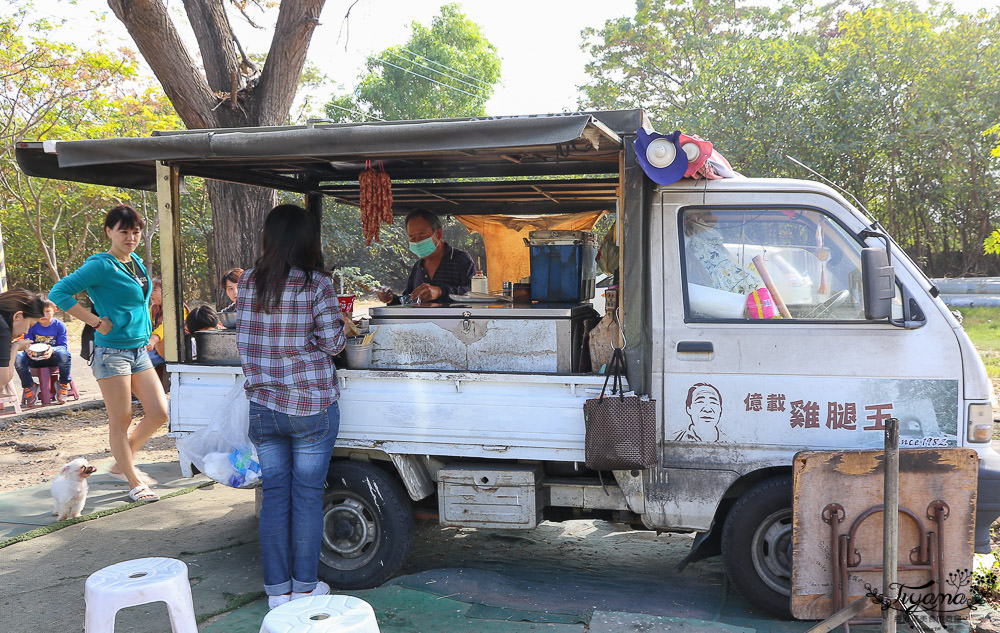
(423, 248)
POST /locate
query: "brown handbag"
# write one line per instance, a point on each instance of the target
(620, 429)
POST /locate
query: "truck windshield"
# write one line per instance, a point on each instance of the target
(770, 263)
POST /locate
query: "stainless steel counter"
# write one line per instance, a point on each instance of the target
(536, 337)
(481, 311)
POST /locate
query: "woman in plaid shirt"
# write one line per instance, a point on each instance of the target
(289, 327)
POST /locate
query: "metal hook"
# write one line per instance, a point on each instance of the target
(621, 330)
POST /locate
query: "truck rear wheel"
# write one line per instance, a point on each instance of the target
(367, 526)
(757, 545)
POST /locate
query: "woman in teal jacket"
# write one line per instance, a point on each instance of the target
(119, 287)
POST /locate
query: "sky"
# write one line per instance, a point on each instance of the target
(537, 40)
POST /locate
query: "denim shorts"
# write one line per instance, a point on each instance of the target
(110, 361)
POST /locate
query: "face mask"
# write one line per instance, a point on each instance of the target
(423, 248)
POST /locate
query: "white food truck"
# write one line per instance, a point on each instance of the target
(476, 410)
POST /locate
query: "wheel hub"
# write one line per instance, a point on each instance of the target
(347, 530)
(772, 551)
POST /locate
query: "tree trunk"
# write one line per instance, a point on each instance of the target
(238, 213)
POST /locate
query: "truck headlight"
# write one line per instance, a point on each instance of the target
(980, 422)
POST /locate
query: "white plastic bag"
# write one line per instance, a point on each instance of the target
(223, 450)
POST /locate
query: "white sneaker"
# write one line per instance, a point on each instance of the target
(277, 601)
(321, 589)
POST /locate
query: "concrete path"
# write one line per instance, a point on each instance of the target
(571, 577)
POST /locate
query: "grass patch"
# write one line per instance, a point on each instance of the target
(233, 602)
(983, 327)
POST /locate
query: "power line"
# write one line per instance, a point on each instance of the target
(454, 70)
(433, 81)
(476, 86)
(357, 112)
(434, 70)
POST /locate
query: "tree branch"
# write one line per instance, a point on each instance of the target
(154, 34)
(296, 21)
(211, 28)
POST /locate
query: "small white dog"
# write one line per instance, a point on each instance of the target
(69, 488)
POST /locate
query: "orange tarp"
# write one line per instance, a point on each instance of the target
(507, 257)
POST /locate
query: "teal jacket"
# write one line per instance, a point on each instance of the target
(116, 294)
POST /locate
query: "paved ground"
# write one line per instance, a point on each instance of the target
(573, 577)
(213, 530)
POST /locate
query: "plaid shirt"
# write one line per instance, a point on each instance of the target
(287, 355)
(453, 275)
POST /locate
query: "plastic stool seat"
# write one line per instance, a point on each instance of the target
(48, 382)
(141, 581)
(321, 614)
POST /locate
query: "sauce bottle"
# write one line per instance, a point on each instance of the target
(479, 281)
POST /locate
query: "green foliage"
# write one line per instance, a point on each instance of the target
(992, 243)
(55, 90)
(986, 582)
(891, 102)
(447, 70)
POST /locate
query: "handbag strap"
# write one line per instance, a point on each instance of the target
(615, 368)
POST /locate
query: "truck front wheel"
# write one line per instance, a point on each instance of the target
(367, 526)
(757, 545)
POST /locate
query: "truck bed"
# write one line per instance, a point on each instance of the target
(467, 414)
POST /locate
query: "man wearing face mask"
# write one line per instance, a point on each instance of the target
(441, 269)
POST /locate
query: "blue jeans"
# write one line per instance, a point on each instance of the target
(60, 358)
(294, 453)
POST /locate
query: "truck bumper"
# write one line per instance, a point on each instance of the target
(987, 498)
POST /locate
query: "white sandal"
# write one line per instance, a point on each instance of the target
(143, 494)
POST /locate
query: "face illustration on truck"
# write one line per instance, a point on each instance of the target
(704, 408)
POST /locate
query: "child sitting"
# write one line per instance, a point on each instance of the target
(51, 331)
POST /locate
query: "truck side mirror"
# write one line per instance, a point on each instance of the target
(879, 283)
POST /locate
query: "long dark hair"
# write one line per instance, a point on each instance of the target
(21, 300)
(291, 237)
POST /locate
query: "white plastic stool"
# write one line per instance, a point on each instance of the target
(135, 582)
(321, 614)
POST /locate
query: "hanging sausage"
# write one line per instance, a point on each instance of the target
(375, 201)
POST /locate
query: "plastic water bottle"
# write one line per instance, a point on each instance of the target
(243, 462)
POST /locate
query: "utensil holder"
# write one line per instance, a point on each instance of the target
(359, 356)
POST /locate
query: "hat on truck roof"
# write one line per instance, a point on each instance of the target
(661, 156)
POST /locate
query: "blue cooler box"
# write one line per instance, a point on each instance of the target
(563, 266)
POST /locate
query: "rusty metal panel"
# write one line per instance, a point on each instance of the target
(488, 496)
(838, 529)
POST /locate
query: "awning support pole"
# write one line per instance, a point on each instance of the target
(168, 211)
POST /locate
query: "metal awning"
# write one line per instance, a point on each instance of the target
(523, 164)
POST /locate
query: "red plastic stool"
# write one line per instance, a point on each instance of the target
(48, 381)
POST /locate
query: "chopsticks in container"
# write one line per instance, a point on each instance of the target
(371, 335)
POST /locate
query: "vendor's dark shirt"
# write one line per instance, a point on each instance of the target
(453, 275)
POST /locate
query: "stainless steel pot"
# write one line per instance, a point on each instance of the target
(217, 347)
